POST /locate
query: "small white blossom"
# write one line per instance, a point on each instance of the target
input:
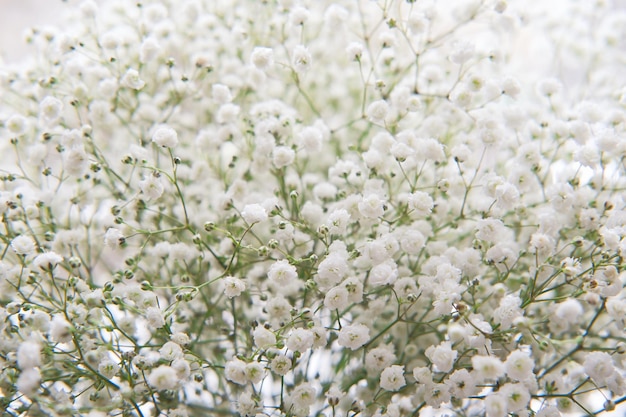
(300, 340)
(280, 365)
(155, 318)
(165, 136)
(354, 336)
(60, 330)
(132, 80)
(336, 298)
(163, 378)
(50, 109)
(28, 355)
(301, 59)
(392, 378)
(442, 356)
(371, 206)
(23, 245)
(283, 156)
(377, 111)
(28, 381)
(47, 260)
(235, 371)
(233, 287)
(262, 57)
(304, 395)
(254, 213)
(487, 367)
(152, 187)
(113, 238)
(263, 338)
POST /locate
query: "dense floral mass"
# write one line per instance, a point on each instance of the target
(315, 208)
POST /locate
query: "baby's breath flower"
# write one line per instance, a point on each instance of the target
(392, 378)
(23, 245)
(165, 136)
(262, 57)
(163, 378)
(233, 287)
(132, 80)
(254, 213)
(354, 336)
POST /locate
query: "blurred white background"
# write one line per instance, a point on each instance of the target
(18, 15)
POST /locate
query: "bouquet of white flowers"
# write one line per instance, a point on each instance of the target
(315, 208)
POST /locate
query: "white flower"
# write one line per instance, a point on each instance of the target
(379, 358)
(283, 156)
(254, 213)
(541, 244)
(384, 273)
(28, 381)
(336, 298)
(462, 52)
(221, 93)
(392, 378)
(60, 330)
(331, 271)
(496, 405)
(354, 50)
(28, 354)
(246, 405)
(262, 57)
(171, 351)
(354, 336)
(301, 59)
(280, 365)
(377, 111)
(282, 273)
(599, 366)
(165, 136)
(508, 310)
(16, 124)
(517, 396)
(278, 310)
(303, 395)
(263, 338)
(233, 287)
(152, 187)
(519, 365)
(23, 245)
(255, 372)
(50, 108)
(108, 368)
(113, 238)
(462, 384)
(421, 202)
(569, 311)
(227, 113)
(338, 222)
(401, 151)
(155, 318)
(487, 367)
(163, 378)
(132, 80)
(300, 340)
(47, 260)
(76, 161)
(371, 206)
(412, 241)
(235, 371)
(310, 138)
(489, 229)
(442, 356)
(149, 50)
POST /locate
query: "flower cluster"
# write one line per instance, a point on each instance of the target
(330, 208)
